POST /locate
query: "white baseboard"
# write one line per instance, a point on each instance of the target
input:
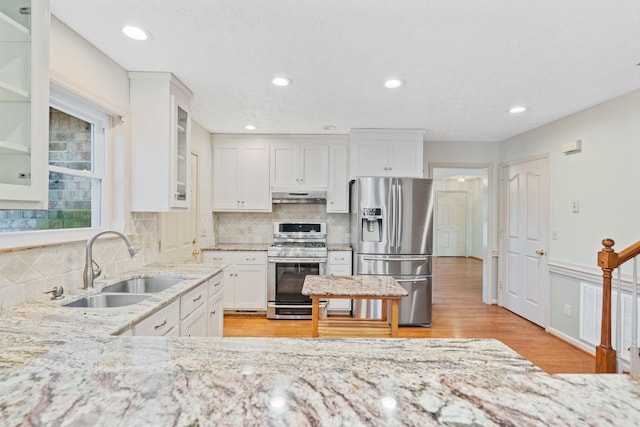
(576, 343)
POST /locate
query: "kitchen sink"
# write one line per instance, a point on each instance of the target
(143, 285)
(107, 300)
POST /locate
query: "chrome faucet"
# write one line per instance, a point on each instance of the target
(90, 274)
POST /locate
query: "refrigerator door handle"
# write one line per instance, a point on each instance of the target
(393, 229)
(399, 215)
(386, 258)
(416, 279)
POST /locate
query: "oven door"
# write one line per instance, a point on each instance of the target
(285, 278)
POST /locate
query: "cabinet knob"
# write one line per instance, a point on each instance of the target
(386, 168)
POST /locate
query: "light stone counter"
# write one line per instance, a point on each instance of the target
(61, 366)
(238, 247)
(356, 286)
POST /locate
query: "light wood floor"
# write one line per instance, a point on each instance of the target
(458, 312)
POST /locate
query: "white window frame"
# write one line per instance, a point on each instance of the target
(68, 102)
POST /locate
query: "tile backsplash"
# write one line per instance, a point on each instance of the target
(254, 227)
(26, 274)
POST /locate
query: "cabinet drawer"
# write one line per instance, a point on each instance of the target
(339, 257)
(254, 257)
(216, 284)
(160, 322)
(340, 270)
(217, 257)
(192, 300)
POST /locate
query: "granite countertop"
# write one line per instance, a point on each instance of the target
(363, 286)
(62, 366)
(265, 246)
(238, 247)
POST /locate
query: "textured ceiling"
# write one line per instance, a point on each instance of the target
(465, 62)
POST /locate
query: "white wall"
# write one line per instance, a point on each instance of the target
(604, 177)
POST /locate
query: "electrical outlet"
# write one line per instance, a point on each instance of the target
(567, 310)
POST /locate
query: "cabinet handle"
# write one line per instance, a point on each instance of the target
(160, 325)
(249, 259)
(198, 298)
(386, 168)
(213, 312)
(216, 259)
(215, 285)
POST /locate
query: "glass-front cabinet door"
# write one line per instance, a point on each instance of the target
(24, 103)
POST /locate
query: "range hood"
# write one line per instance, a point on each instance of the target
(299, 197)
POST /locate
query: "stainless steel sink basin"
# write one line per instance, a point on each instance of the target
(107, 300)
(143, 285)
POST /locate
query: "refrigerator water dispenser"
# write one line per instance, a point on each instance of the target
(371, 225)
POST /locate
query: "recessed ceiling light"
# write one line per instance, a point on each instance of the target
(518, 109)
(135, 32)
(393, 83)
(281, 81)
(250, 127)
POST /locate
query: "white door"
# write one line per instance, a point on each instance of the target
(451, 223)
(179, 229)
(226, 177)
(284, 166)
(524, 239)
(314, 165)
(255, 179)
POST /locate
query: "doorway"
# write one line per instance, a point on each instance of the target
(178, 230)
(476, 182)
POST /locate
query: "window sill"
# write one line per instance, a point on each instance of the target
(23, 240)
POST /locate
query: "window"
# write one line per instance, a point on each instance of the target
(77, 157)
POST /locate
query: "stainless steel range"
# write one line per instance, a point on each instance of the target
(298, 249)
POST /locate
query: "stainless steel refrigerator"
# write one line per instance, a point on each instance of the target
(391, 224)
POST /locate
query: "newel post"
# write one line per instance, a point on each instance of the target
(605, 354)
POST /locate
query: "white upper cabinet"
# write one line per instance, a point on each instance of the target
(338, 191)
(240, 175)
(24, 104)
(161, 138)
(299, 166)
(387, 152)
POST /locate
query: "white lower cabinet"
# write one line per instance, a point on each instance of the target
(339, 264)
(215, 308)
(245, 278)
(165, 321)
(193, 312)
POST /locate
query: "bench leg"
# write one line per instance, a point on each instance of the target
(315, 315)
(394, 318)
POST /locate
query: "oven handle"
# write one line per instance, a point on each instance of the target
(297, 260)
(322, 304)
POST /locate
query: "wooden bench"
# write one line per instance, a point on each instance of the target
(383, 288)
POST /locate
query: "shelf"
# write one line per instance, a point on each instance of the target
(181, 129)
(180, 157)
(11, 148)
(9, 92)
(11, 31)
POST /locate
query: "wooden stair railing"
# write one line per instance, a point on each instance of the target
(608, 260)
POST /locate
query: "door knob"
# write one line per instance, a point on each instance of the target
(540, 252)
